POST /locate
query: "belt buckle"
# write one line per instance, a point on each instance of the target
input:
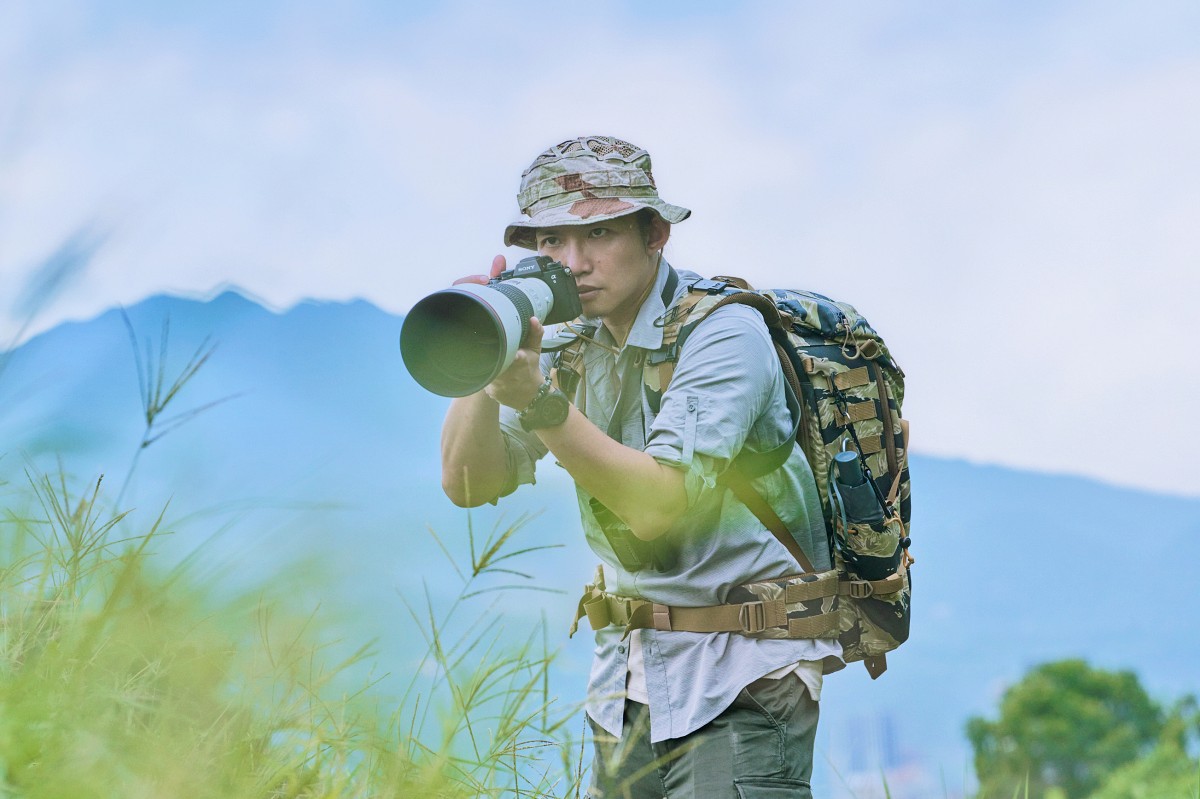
(753, 617)
(626, 605)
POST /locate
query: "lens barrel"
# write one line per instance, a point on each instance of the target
(456, 341)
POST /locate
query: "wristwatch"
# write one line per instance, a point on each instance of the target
(548, 408)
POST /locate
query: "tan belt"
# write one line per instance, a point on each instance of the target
(603, 609)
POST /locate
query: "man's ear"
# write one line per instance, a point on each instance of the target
(660, 231)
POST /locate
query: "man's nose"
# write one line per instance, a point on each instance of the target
(574, 257)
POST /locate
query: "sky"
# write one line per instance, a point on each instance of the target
(1010, 192)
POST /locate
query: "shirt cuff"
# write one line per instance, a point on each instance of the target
(698, 479)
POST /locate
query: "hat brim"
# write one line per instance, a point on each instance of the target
(588, 211)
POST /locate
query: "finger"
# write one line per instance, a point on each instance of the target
(533, 340)
(498, 265)
(480, 279)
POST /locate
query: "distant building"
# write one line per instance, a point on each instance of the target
(871, 760)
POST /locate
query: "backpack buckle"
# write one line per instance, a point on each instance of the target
(670, 353)
(621, 609)
(753, 617)
(710, 286)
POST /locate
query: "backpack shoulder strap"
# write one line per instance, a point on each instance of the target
(697, 304)
(701, 298)
(566, 367)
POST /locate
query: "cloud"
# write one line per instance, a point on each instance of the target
(1010, 197)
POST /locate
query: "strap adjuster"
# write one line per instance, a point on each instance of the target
(753, 617)
(620, 608)
(861, 589)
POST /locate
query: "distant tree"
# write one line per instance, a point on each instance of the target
(1064, 726)
(1167, 772)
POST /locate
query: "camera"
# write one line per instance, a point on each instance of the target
(456, 341)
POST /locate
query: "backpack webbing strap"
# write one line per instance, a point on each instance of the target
(676, 316)
(740, 485)
(889, 432)
(567, 367)
(852, 378)
(746, 618)
(604, 610)
(754, 464)
(861, 589)
(894, 492)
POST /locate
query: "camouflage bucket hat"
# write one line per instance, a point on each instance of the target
(583, 181)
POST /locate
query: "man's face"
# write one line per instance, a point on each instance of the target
(611, 261)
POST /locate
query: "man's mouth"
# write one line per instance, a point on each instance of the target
(587, 291)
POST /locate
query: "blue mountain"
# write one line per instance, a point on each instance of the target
(313, 447)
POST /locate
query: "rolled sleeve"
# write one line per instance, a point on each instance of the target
(724, 381)
(524, 448)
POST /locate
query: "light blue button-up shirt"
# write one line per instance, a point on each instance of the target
(727, 393)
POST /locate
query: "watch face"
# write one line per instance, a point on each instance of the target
(547, 411)
(555, 408)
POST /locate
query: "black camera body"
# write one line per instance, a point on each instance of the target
(565, 293)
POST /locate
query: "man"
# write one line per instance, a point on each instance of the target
(674, 714)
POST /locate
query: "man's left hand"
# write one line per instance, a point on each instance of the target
(517, 385)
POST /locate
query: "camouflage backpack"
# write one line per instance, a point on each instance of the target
(850, 391)
(844, 392)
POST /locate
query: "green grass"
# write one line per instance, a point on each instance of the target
(122, 677)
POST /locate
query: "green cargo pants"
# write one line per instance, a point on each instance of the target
(760, 747)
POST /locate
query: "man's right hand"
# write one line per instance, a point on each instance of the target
(499, 264)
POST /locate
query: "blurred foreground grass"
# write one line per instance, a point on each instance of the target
(121, 676)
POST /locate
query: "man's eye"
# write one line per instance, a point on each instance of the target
(548, 241)
(597, 232)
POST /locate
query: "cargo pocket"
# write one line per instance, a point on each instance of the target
(772, 788)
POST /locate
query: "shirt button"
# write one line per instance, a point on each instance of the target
(621, 649)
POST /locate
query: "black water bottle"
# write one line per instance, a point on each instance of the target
(858, 497)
